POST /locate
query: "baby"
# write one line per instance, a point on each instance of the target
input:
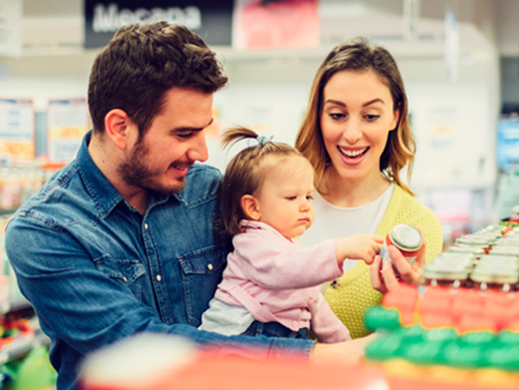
(271, 285)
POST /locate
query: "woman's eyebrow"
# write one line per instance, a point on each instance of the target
(339, 103)
(377, 100)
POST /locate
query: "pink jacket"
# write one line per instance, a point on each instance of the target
(278, 280)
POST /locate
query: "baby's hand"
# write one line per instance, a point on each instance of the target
(361, 246)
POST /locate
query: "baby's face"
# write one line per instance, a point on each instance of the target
(285, 199)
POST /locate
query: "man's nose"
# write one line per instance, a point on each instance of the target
(198, 148)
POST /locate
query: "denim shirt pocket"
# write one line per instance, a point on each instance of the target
(201, 272)
(125, 271)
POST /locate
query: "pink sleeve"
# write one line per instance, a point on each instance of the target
(274, 264)
(325, 324)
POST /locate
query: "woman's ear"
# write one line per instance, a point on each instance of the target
(250, 207)
(396, 117)
(117, 127)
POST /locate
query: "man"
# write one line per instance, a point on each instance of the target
(122, 240)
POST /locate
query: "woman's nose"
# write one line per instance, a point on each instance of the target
(352, 131)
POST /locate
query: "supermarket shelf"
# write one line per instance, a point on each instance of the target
(7, 212)
(14, 304)
(21, 346)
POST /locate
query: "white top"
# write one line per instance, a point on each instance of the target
(226, 319)
(336, 222)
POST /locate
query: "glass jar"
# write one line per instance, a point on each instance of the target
(475, 251)
(495, 276)
(445, 274)
(474, 241)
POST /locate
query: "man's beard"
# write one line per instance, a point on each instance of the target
(136, 174)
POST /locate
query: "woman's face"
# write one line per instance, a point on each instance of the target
(356, 120)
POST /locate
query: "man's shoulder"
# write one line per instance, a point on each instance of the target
(56, 199)
(202, 185)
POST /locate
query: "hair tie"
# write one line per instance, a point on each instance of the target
(262, 140)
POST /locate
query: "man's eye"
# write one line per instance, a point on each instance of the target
(184, 135)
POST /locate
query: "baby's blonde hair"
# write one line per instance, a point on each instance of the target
(246, 172)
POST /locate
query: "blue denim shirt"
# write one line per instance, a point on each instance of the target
(96, 270)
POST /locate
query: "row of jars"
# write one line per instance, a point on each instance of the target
(488, 259)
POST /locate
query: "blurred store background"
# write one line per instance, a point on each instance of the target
(459, 60)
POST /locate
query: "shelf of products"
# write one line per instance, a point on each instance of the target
(461, 326)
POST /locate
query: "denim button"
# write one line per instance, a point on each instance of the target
(146, 226)
(210, 267)
(159, 278)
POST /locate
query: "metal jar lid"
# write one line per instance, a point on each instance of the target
(406, 237)
(475, 250)
(505, 250)
(498, 260)
(445, 272)
(490, 237)
(455, 259)
(494, 275)
(494, 229)
(472, 240)
(508, 241)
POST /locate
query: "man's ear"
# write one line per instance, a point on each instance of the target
(250, 207)
(117, 127)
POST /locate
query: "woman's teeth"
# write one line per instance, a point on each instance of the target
(352, 153)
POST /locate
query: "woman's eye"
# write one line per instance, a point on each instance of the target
(372, 118)
(336, 116)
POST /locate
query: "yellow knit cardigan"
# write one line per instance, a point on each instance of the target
(353, 294)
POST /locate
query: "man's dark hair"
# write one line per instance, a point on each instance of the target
(141, 63)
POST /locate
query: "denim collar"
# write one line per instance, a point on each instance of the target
(104, 194)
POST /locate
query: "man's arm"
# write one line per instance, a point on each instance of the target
(87, 309)
(347, 352)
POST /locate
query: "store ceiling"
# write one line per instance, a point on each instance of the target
(57, 25)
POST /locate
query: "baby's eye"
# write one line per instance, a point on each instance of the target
(309, 197)
(290, 198)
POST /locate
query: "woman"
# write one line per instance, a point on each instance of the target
(356, 134)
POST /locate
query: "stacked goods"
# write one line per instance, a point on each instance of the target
(488, 259)
(513, 220)
(447, 334)
(461, 325)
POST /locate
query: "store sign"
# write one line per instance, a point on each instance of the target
(17, 130)
(10, 27)
(212, 20)
(67, 123)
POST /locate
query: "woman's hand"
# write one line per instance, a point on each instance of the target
(383, 277)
